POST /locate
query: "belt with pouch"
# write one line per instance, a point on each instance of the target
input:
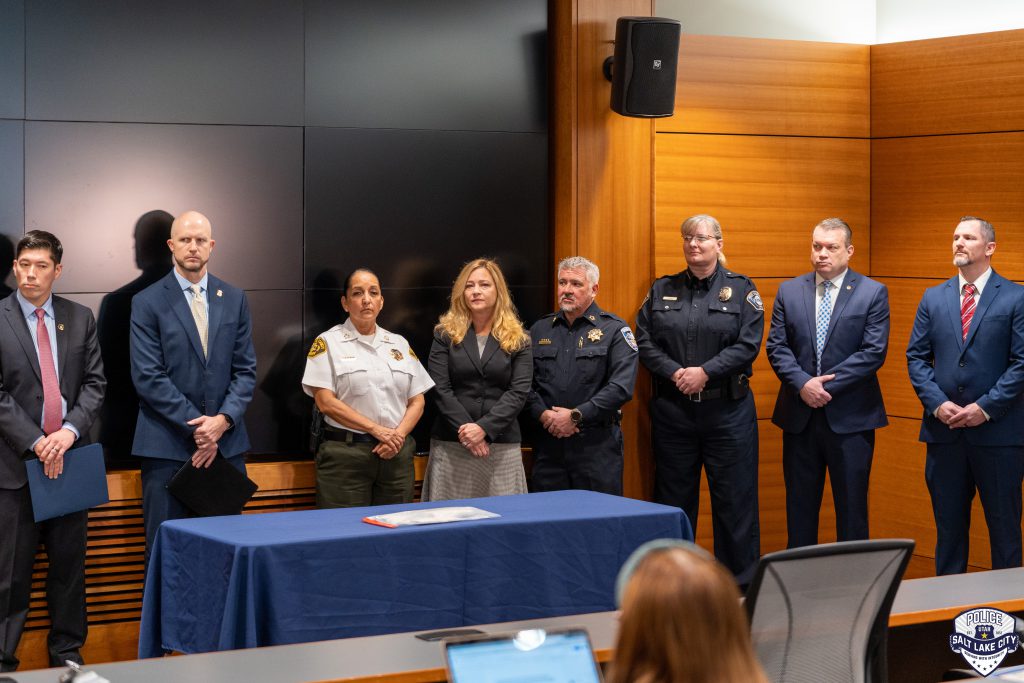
(346, 436)
(733, 387)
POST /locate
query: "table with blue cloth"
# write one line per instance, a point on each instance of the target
(221, 583)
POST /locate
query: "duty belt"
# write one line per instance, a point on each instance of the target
(348, 436)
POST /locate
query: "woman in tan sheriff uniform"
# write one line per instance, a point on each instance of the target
(369, 385)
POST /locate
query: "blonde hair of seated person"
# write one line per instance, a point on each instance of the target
(682, 622)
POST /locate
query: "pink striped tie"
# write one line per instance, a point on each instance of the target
(52, 417)
(967, 308)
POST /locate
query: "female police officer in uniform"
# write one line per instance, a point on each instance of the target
(369, 385)
(699, 332)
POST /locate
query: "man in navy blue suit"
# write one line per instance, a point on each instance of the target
(194, 369)
(828, 337)
(966, 362)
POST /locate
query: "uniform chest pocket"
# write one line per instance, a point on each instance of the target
(401, 376)
(665, 318)
(591, 362)
(724, 317)
(545, 357)
(353, 379)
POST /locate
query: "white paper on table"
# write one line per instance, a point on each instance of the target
(430, 516)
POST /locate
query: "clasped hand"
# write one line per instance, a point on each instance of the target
(208, 430)
(690, 380)
(956, 417)
(51, 449)
(474, 438)
(558, 422)
(813, 391)
(390, 441)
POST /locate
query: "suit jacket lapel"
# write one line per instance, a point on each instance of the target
(952, 296)
(992, 290)
(215, 297)
(489, 348)
(842, 297)
(12, 313)
(60, 318)
(176, 301)
(809, 294)
(470, 348)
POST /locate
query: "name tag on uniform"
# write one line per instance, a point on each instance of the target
(670, 298)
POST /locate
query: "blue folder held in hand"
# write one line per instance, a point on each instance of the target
(81, 486)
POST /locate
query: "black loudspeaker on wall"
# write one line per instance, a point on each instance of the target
(643, 70)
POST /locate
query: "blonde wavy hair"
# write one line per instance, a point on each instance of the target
(506, 326)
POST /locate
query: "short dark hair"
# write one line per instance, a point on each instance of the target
(40, 239)
(348, 280)
(830, 224)
(987, 231)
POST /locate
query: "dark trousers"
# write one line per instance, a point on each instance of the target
(64, 539)
(805, 458)
(719, 436)
(158, 504)
(952, 472)
(352, 475)
(590, 460)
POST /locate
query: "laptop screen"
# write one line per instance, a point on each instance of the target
(535, 656)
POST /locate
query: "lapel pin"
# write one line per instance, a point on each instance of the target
(849, 287)
(60, 326)
(220, 292)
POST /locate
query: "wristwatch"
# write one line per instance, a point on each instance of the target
(576, 416)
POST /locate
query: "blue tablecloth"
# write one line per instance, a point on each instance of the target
(223, 583)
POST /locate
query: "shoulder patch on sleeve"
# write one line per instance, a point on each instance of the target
(318, 347)
(754, 299)
(627, 334)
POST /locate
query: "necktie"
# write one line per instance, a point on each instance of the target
(967, 308)
(52, 417)
(199, 314)
(824, 315)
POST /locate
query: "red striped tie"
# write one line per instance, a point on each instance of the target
(967, 308)
(52, 417)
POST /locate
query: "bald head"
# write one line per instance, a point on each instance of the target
(191, 244)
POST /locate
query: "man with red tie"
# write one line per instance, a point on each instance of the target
(966, 362)
(51, 388)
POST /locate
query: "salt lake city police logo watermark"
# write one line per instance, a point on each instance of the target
(984, 636)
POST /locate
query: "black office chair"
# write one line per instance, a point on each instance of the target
(821, 613)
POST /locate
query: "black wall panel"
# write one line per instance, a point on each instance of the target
(187, 61)
(415, 205)
(12, 198)
(12, 59)
(91, 182)
(429, 149)
(444, 64)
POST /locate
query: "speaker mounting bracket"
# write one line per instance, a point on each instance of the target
(607, 68)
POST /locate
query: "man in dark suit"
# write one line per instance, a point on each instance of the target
(966, 362)
(828, 337)
(194, 369)
(51, 388)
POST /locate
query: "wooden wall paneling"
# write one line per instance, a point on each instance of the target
(920, 187)
(904, 296)
(962, 84)
(767, 192)
(602, 203)
(770, 87)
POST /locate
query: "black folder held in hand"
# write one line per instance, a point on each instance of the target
(219, 489)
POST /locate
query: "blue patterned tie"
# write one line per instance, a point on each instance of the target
(824, 314)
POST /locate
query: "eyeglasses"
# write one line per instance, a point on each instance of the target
(699, 239)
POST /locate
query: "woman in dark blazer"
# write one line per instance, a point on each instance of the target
(481, 364)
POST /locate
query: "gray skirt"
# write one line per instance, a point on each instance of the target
(454, 473)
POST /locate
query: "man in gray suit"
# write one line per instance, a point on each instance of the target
(51, 388)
